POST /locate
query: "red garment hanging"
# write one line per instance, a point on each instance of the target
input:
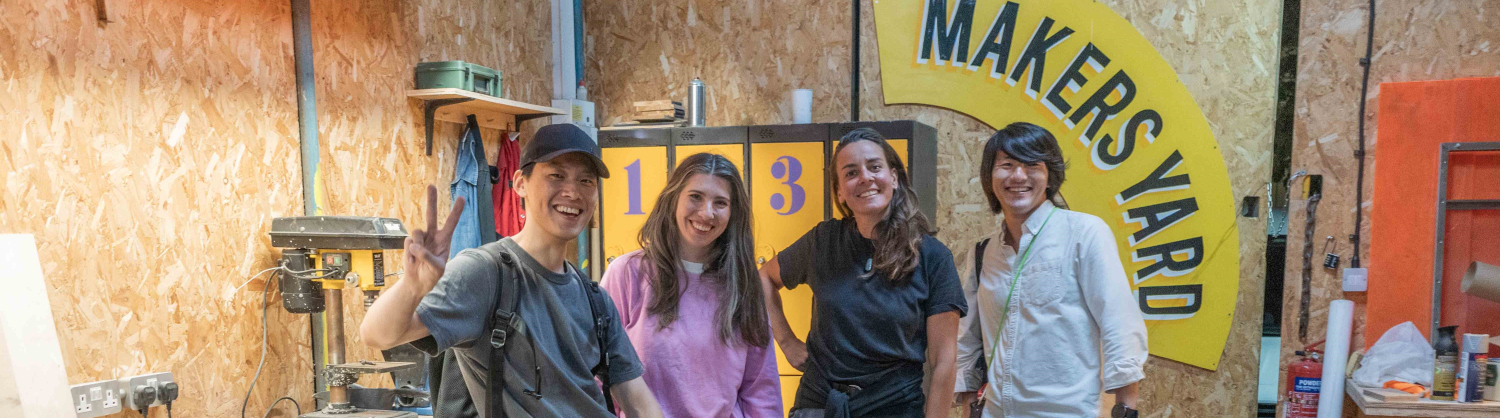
(510, 216)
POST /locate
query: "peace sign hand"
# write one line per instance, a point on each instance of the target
(427, 249)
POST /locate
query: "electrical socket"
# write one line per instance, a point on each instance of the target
(112, 399)
(96, 399)
(83, 406)
(130, 385)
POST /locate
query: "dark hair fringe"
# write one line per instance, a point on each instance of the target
(1028, 144)
(731, 266)
(898, 235)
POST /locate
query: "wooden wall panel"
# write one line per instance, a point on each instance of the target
(149, 154)
(753, 54)
(1414, 41)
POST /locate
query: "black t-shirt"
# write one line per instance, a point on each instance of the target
(864, 328)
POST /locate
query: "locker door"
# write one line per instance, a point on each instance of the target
(901, 149)
(788, 196)
(638, 175)
(789, 391)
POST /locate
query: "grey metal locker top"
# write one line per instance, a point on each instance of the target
(921, 147)
(635, 138)
(709, 135)
(898, 129)
(807, 132)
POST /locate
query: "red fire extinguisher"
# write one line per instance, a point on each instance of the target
(1303, 379)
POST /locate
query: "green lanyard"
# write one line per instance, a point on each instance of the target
(1005, 313)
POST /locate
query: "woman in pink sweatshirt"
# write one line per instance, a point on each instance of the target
(690, 299)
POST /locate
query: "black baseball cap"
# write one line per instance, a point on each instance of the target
(555, 140)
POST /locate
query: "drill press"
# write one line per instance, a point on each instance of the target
(322, 256)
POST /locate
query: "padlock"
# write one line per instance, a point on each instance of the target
(1330, 260)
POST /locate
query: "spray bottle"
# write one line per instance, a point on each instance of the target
(1446, 368)
(1471, 365)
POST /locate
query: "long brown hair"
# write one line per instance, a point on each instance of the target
(731, 267)
(898, 235)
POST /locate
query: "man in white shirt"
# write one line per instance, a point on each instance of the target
(1067, 326)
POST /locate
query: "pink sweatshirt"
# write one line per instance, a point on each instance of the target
(691, 371)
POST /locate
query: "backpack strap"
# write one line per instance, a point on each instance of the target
(979, 259)
(601, 335)
(506, 322)
(980, 364)
(503, 324)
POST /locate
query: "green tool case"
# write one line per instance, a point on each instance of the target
(458, 74)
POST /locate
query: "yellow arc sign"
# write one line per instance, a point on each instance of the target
(1140, 152)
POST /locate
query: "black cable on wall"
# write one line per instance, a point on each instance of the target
(1359, 183)
(854, 67)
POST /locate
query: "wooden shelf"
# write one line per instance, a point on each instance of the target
(1420, 408)
(455, 105)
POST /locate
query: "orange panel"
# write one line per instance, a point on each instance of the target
(1414, 119)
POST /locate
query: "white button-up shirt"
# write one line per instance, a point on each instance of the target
(1074, 328)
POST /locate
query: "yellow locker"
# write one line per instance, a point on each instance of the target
(788, 195)
(900, 146)
(789, 392)
(637, 176)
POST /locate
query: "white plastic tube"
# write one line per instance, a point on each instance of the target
(1336, 350)
(801, 106)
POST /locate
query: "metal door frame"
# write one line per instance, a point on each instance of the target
(1443, 206)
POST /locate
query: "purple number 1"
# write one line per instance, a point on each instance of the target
(633, 172)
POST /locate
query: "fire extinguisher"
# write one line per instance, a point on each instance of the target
(1303, 379)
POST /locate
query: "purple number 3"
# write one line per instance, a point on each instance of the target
(789, 170)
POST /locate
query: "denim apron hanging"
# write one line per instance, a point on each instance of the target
(471, 179)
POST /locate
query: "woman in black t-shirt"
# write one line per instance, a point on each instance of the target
(886, 295)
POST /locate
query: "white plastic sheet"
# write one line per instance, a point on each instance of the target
(1402, 353)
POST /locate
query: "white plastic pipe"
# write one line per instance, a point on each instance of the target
(564, 52)
(1336, 348)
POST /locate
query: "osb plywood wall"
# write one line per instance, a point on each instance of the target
(1414, 41)
(753, 54)
(149, 154)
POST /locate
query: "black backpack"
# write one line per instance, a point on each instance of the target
(505, 322)
(976, 409)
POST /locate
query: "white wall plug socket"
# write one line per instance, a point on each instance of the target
(112, 399)
(96, 399)
(1356, 279)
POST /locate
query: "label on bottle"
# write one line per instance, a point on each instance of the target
(1443, 377)
(1491, 391)
(1471, 378)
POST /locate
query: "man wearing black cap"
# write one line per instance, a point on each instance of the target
(553, 350)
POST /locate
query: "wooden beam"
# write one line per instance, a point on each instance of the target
(33, 363)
